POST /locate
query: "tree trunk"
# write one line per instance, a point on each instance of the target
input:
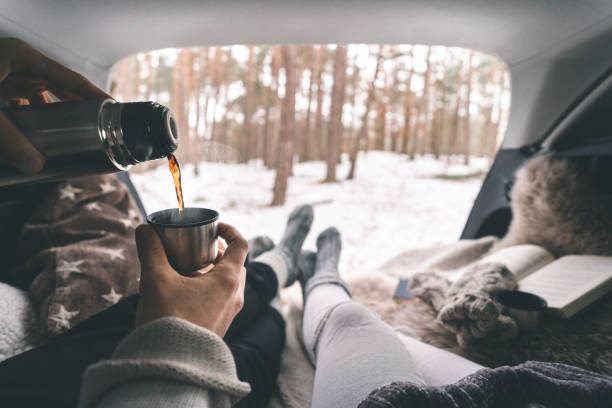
(216, 83)
(422, 111)
(487, 138)
(306, 152)
(334, 133)
(466, 123)
(204, 112)
(363, 131)
(270, 147)
(381, 113)
(297, 129)
(227, 81)
(178, 103)
(319, 131)
(392, 96)
(437, 134)
(354, 116)
(192, 154)
(246, 142)
(495, 127)
(380, 126)
(454, 130)
(271, 95)
(277, 117)
(200, 88)
(408, 99)
(287, 126)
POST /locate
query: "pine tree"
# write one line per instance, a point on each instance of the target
(437, 130)
(466, 122)
(355, 87)
(422, 113)
(247, 134)
(289, 53)
(216, 84)
(319, 131)
(270, 133)
(363, 131)
(334, 133)
(224, 138)
(454, 130)
(307, 145)
(200, 91)
(487, 129)
(408, 101)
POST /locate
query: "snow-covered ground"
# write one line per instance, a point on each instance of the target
(393, 203)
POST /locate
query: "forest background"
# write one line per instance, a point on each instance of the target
(279, 105)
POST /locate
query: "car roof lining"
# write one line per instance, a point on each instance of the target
(544, 42)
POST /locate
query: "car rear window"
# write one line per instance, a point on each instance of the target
(390, 143)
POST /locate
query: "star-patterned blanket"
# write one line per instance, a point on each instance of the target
(76, 254)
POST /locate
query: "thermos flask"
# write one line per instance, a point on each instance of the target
(91, 137)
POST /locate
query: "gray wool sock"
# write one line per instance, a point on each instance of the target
(283, 259)
(306, 266)
(260, 244)
(329, 246)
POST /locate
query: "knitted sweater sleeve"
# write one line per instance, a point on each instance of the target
(167, 362)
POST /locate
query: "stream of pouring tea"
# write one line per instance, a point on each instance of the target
(176, 175)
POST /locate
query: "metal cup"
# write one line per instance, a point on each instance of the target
(190, 237)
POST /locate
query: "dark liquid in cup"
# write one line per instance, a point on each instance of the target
(175, 170)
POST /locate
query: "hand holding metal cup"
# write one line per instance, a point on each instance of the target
(189, 237)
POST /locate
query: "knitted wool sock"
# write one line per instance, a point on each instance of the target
(306, 266)
(468, 307)
(260, 244)
(283, 259)
(329, 246)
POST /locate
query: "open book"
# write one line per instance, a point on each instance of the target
(569, 284)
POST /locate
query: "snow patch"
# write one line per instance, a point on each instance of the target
(392, 205)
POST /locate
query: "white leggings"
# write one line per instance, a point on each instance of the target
(355, 352)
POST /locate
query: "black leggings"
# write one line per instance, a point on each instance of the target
(50, 375)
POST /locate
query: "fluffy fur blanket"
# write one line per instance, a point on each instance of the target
(555, 205)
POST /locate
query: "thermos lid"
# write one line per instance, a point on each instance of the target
(149, 130)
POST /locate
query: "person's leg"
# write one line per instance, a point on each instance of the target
(257, 354)
(438, 366)
(260, 288)
(353, 350)
(271, 271)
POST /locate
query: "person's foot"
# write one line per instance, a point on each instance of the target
(290, 245)
(259, 245)
(325, 268)
(283, 258)
(329, 246)
(306, 266)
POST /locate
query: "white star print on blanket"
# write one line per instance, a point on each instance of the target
(107, 187)
(62, 317)
(94, 206)
(67, 267)
(68, 191)
(112, 297)
(115, 253)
